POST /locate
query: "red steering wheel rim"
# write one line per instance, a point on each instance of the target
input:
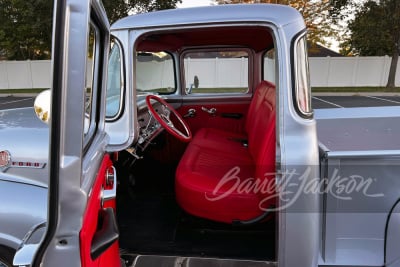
(184, 137)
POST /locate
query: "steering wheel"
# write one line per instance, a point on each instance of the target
(163, 117)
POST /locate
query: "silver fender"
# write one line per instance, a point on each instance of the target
(392, 237)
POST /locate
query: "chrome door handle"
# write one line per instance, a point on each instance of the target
(190, 113)
(211, 111)
(111, 182)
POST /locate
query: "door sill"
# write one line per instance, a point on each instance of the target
(158, 260)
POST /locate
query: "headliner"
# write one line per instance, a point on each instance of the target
(257, 38)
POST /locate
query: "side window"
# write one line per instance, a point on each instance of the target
(155, 73)
(302, 78)
(269, 66)
(90, 108)
(115, 81)
(216, 72)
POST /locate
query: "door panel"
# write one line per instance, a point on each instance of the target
(223, 116)
(99, 235)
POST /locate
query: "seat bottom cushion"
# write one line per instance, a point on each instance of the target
(230, 143)
(217, 185)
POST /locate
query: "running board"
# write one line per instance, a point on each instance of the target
(176, 261)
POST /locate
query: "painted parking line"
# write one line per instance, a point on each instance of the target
(16, 101)
(383, 99)
(327, 102)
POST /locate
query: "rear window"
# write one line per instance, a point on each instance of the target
(216, 72)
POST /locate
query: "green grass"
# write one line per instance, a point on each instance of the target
(354, 89)
(22, 91)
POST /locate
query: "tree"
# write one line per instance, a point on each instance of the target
(316, 14)
(142, 6)
(117, 9)
(392, 15)
(25, 29)
(375, 31)
(340, 8)
(26, 26)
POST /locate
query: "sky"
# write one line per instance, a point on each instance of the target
(193, 3)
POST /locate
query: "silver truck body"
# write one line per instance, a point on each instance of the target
(23, 189)
(359, 145)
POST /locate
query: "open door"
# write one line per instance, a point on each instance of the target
(81, 228)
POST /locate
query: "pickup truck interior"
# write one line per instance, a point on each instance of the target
(200, 188)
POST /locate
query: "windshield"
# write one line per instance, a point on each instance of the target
(155, 73)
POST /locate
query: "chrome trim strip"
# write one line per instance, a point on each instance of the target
(364, 154)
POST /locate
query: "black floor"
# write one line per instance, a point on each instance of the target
(166, 261)
(150, 222)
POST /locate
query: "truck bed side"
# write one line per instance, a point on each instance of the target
(360, 162)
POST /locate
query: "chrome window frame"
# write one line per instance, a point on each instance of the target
(174, 65)
(122, 79)
(306, 114)
(93, 119)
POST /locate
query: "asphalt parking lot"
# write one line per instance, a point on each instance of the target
(354, 101)
(317, 101)
(10, 102)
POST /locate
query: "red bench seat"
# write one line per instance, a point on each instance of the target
(218, 174)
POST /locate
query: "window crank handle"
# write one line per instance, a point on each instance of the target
(190, 113)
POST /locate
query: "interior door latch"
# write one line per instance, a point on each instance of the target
(211, 111)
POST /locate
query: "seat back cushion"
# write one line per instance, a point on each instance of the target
(255, 104)
(261, 131)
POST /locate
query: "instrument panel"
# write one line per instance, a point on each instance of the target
(148, 127)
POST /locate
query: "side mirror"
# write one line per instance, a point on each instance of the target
(42, 106)
(190, 89)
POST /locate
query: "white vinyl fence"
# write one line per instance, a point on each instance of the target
(25, 74)
(351, 71)
(325, 72)
(217, 72)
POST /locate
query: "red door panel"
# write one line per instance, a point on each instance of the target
(228, 117)
(99, 225)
